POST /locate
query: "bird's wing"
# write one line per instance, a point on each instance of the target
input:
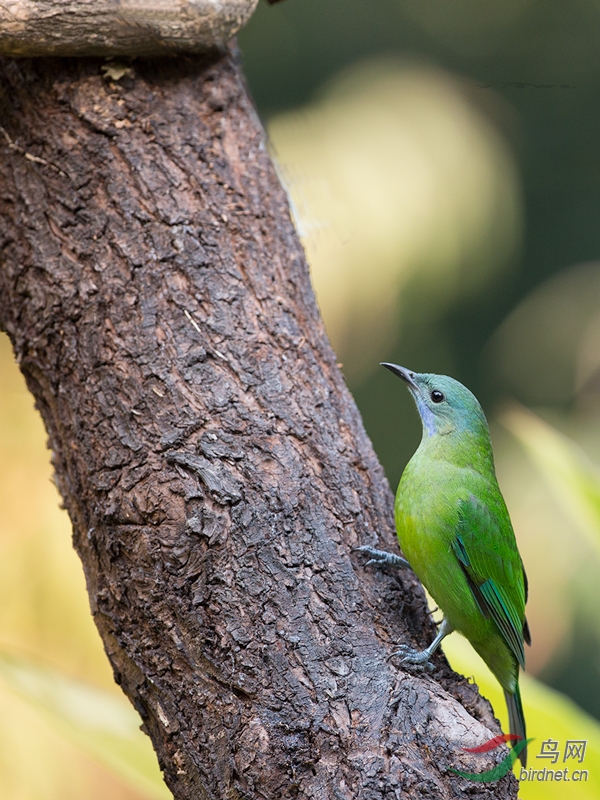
(492, 566)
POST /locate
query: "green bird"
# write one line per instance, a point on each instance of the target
(456, 534)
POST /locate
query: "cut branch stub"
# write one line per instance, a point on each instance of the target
(118, 27)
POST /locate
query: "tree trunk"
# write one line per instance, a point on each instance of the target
(212, 461)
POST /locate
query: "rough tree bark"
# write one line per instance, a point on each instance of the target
(212, 461)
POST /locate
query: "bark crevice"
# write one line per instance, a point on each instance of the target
(213, 462)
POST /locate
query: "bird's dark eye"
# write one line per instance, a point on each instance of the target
(437, 396)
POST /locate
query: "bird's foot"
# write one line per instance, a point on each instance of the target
(411, 657)
(380, 558)
(421, 657)
(408, 655)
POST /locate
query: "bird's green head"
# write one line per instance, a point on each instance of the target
(444, 404)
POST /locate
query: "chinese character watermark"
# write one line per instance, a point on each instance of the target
(549, 750)
(575, 748)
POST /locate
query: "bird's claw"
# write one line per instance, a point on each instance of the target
(410, 656)
(380, 558)
(367, 550)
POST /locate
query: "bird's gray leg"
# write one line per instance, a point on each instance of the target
(380, 558)
(411, 656)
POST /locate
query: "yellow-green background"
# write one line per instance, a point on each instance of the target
(443, 165)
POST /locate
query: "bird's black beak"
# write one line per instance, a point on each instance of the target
(407, 376)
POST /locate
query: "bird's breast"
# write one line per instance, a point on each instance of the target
(427, 509)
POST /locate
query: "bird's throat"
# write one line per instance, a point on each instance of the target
(426, 414)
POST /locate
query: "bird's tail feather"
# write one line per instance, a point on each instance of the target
(516, 718)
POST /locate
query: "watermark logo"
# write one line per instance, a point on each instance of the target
(501, 769)
(550, 750)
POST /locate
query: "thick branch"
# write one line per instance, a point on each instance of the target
(211, 458)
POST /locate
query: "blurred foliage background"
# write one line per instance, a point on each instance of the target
(443, 165)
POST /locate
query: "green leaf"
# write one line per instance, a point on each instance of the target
(100, 723)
